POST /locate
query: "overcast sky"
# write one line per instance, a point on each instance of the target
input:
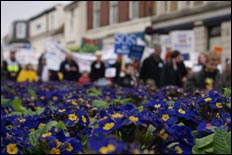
(20, 10)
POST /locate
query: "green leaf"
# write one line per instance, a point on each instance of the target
(125, 101)
(4, 101)
(150, 129)
(202, 142)
(94, 92)
(100, 104)
(140, 108)
(16, 113)
(194, 133)
(172, 144)
(227, 92)
(17, 105)
(196, 150)
(171, 103)
(181, 124)
(61, 125)
(222, 142)
(33, 136)
(32, 93)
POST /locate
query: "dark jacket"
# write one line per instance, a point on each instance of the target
(97, 73)
(8, 73)
(127, 81)
(69, 75)
(171, 77)
(117, 65)
(198, 81)
(151, 69)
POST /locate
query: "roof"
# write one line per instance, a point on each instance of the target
(43, 13)
(72, 5)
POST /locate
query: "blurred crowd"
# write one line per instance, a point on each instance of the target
(208, 74)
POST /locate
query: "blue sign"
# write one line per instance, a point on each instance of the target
(185, 56)
(136, 52)
(123, 43)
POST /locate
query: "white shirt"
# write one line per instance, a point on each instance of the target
(45, 74)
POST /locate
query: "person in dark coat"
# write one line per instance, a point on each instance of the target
(174, 71)
(152, 67)
(97, 68)
(12, 67)
(128, 79)
(208, 78)
(117, 65)
(69, 68)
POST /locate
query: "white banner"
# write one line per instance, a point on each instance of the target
(183, 41)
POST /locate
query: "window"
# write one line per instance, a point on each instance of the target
(72, 21)
(20, 30)
(134, 9)
(214, 36)
(52, 22)
(96, 14)
(38, 26)
(113, 12)
(195, 3)
(173, 6)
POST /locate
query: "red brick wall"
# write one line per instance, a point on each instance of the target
(145, 8)
(123, 11)
(89, 14)
(105, 13)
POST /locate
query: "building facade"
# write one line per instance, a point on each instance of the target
(210, 21)
(105, 18)
(75, 23)
(49, 23)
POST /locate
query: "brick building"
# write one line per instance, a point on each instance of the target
(105, 18)
(210, 21)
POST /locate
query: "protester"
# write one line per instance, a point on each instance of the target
(152, 67)
(201, 62)
(84, 78)
(27, 75)
(128, 78)
(136, 64)
(43, 72)
(167, 54)
(97, 68)
(174, 71)
(12, 67)
(208, 78)
(117, 65)
(227, 73)
(69, 68)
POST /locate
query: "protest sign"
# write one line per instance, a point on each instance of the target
(136, 52)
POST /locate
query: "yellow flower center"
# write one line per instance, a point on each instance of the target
(136, 151)
(165, 117)
(181, 111)
(108, 126)
(208, 99)
(55, 151)
(55, 98)
(32, 129)
(46, 134)
(58, 143)
(69, 147)
(61, 110)
(164, 136)
(133, 118)
(219, 105)
(72, 117)
(21, 120)
(117, 115)
(41, 125)
(107, 149)
(157, 106)
(178, 149)
(12, 149)
(42, 97)
(83, 119)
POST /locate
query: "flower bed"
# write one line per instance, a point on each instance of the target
(67, 118)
